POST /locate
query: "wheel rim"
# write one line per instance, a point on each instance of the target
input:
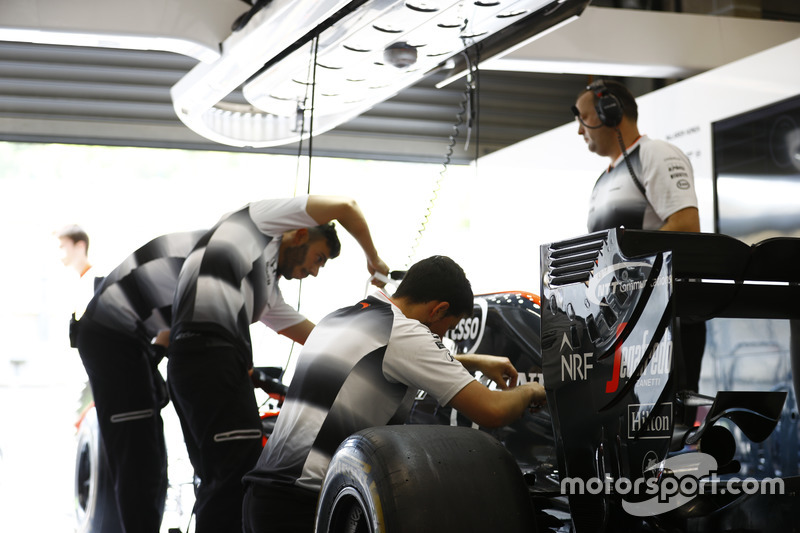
(83, 477)
(349, 514)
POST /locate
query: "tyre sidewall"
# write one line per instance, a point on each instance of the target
(95, 505)
(413, 479)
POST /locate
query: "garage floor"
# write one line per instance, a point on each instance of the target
(39, 403)
(37, 415)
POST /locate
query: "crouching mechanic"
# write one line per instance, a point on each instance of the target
(130, 309)
(227, 283)
(362, 367)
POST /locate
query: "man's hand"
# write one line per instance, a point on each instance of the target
(538, 396)
(377, 265)
(498, 369)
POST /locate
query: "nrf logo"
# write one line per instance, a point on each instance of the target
(574, 365)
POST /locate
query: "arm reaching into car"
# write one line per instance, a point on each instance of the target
(497, 408)
(490, 408)
(498, 369)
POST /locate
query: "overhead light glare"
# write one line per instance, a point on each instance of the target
(348, 43)
(511, 14)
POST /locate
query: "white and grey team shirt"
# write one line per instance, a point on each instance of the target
(666, 174)
(230, 280)
(360, 367)
(136, 297)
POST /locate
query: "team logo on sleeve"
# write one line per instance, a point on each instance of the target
(441, 346)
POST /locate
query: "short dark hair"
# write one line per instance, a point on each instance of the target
(74, 233)
(327, 232)
(438, 278)
(625, 97)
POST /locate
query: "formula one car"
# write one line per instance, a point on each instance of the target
(603, 340)
(610, 452)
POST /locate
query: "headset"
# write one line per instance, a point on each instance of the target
(608, 106)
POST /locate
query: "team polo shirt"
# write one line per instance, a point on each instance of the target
(360, 367)
(666, 174)
(230, 279)
(136, 297)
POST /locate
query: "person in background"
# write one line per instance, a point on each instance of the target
(649, 184)
(121, 338)
(227, 283)
(362, 367)
(73, 242)
(74, 245)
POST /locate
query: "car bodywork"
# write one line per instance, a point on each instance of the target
(603, 341)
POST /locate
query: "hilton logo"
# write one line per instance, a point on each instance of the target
(650, 421)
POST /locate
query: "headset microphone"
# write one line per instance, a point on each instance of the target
(584, 124)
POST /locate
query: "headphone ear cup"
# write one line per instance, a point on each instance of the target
(609, 108)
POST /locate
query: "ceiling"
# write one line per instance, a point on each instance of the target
(122, 97)
(112, 96)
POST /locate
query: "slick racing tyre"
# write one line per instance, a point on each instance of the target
(95, 506)
(413, 479)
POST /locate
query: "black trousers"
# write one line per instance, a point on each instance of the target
(276, 509)
(215, 402)
(128, 406)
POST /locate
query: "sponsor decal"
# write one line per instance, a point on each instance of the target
(643, 423)
(649, 463)
(574, 365)
(628, 356)
(682, 184)
(468, 333)
(466, 329)
(439, 344)
(522, 378)
(616, 280)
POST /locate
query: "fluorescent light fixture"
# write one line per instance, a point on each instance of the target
(366, 51)
(384, 46)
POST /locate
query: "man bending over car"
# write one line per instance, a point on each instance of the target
(362, 367)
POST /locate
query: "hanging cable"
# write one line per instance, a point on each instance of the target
(302, 109)
(312, 74)
(464, 108)
(313, 109)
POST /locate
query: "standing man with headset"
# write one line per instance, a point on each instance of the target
(648, 185)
